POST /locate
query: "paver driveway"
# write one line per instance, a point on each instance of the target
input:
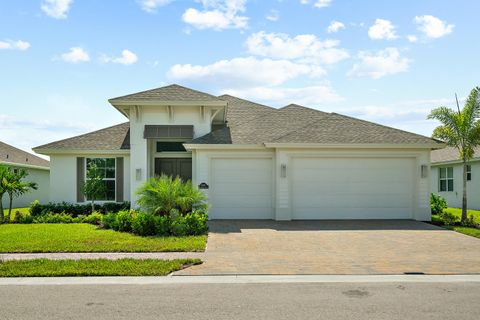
(336, 247)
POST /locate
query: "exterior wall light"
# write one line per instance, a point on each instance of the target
(283, 170)
(424, 171)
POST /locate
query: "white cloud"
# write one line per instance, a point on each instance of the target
(127, 58)
(217, 15)
(377, 65)
(57, 9)
(335, 26)
(243, 72)
(412, 38)
(317, 3)
(75, 55)
(382, 29)
(14, 45)
(306, 47)
(433, 27)
(280, 96)
(151, 6)
(273, 15)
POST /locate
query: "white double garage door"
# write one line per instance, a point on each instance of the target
(319, 188)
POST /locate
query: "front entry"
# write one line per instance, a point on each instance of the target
(181, 167)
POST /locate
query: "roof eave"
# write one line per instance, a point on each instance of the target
(115, 103)
(193, 146)
(355, 145)
(48, 151)
(22, 165)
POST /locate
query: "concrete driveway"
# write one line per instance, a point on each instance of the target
(336, 247)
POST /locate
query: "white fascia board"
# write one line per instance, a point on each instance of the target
(80, 152)
(442, 163)
(354, 146)
(28, 166)
(167, 103)
(189, 146)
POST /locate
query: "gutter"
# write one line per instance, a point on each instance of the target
(29, 166)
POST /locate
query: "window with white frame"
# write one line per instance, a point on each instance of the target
(445, 179)
(469, 172)
(106, 168)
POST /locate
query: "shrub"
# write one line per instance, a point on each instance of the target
(124, 220)
(448, 219)
(37, 209)
(143, 224)
(196, 222)
(162, 225)
(437, 203)
(53, 218)
(21, 217)
(470, 222)
(159, 195)
(109, 221)
(94, 218)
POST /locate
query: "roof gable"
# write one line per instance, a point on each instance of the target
(172, 92)
(11, 154)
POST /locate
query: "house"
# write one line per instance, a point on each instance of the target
(38, 171)
(252, 161)
(447, 177)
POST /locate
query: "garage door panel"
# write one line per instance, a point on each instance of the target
(360, 188)
(241, 189)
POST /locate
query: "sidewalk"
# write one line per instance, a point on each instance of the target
(102, 255)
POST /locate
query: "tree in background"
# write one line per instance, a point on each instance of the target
(94, 188)
(3, 174)
(460, 129)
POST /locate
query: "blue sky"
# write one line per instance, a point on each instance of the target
(384, 61)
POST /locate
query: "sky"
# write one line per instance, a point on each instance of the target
(389, 62)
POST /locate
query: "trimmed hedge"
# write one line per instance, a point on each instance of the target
(74, 210)
(147, 224)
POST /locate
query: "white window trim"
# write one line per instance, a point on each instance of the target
(105, 179)
(446, 179)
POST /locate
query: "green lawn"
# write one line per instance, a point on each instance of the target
(458, 213)
(97, 267)
(22, 210)
(80, 237)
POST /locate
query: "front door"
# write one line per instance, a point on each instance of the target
(181, 167)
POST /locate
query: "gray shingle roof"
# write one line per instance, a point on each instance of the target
(298, 124)
(11, 154)
(112, 138)
(449, 154)
(172, 92)
(253, 123)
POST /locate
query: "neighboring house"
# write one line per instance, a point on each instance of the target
(447, 177)
(38, 171)
(253, 161)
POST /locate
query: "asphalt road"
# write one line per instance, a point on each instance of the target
(243, 301)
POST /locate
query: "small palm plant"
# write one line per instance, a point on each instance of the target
(14, 185)
(460, 129)
(161, 195)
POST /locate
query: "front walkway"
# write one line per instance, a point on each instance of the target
(336, 247)
(102, 255)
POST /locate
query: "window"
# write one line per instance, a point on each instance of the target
(106, 167)
(164, 146)
(469, 172)
(446, 179)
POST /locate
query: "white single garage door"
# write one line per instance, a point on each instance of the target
(352, 188)
(241, 189)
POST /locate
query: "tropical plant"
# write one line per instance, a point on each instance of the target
(161, 195)
(460, 129)
(3, 190)
(16, 186)
(94, 188)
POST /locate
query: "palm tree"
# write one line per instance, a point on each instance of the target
(3, 174)
(460, 129)
(15, 186)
